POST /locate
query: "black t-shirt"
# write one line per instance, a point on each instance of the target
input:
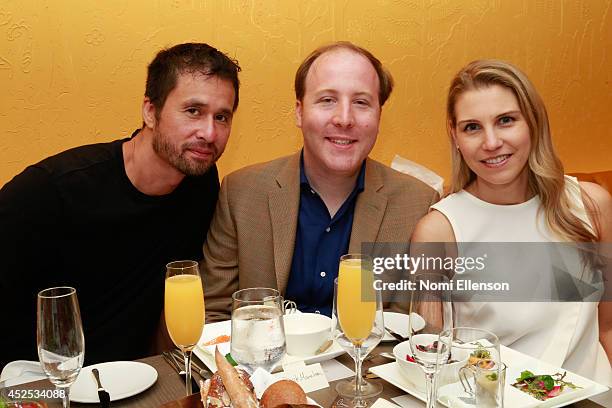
(75, 219)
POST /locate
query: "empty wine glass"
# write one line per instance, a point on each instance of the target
(358, 322)
(59, 336)
(258, 331)
(432, 301)
(184, 309)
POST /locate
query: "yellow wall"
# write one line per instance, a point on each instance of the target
(73, 72)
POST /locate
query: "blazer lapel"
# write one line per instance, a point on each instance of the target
(284, 204)
(369, 209)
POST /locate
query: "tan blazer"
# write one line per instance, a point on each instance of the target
(252, 235)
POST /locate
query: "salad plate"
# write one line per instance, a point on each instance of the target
(218, 334)
(516, 363)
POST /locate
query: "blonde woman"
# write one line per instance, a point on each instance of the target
(509, 186)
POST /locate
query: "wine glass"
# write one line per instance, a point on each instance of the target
(184, 309)
(431, 300)
(59, 336)
(357, 321)
(258, 331)
(475, 376)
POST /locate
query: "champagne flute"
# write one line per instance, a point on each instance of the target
(357, 320)
(258, 331)
(60, 340)
(184, 309)
(431, 300)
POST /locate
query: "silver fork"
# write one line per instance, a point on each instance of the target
(177, 355)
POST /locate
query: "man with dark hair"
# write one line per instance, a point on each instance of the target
(284, 224)
(106, 218)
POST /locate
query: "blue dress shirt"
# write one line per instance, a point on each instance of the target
(319, 243)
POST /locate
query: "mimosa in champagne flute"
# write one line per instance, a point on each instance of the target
(184, 309)
(358, 318)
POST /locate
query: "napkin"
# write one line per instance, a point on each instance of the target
(20, 372)
(418, 171)
(261, 379)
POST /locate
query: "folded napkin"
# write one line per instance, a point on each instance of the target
(21, 371)
(418, 171)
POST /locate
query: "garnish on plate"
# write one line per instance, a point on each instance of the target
(543, 386)
(481, 357)
(224, 338)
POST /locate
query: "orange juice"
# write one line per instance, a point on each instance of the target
(356, 316)
(184, 309)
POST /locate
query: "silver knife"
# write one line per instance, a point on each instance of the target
(396, 335)
(102, 393)
(195, 387)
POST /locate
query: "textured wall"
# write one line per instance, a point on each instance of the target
(72, 72)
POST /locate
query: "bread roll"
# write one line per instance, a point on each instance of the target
(283, 392)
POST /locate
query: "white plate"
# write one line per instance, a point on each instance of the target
(398, 322)
(392, 373)
(312, 402)
(121, 379)
(513, 398)
(214, 330)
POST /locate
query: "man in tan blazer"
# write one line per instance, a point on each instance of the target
(284, 224)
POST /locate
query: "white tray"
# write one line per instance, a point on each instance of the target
(513, 398)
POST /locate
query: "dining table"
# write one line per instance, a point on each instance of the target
(169, 389)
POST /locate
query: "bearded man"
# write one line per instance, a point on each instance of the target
(106, 218)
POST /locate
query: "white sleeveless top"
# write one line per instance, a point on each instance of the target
(564, 334)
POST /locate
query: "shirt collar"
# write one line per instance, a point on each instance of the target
(359, 185)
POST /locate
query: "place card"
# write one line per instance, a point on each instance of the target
(293, 365)
(309, 377)
(383, 403)
(407, 401)
(335, 370)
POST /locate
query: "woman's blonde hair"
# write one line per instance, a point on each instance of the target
(546, 175)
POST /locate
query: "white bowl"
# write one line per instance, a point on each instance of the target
(306, 332)
(414, 373)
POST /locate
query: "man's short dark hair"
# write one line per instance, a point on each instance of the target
(201, 58)
(384, 77)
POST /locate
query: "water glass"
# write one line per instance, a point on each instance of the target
(258, 331)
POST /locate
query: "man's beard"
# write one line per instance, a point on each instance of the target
(176, 157)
